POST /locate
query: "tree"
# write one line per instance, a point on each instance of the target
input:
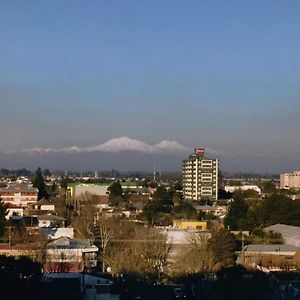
(115, 189)
(138, 251)
(223, 246)
(176, 198)
(269, 187)
(46, 172)
(115, 192)
(196, 257)
(237, 211)
(102, 233)
(279, 208)
(236, 282)
(39, 183)
(64, 182)
(83, 222)
(185, 210)
(3, 213)
(162, 196)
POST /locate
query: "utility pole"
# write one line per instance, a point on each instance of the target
(242, 252)
(9, 235)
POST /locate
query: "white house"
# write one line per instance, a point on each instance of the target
(231, 189)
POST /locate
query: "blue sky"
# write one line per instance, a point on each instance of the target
(220, 74)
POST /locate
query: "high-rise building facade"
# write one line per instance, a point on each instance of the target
(290, 180)
(200, 177)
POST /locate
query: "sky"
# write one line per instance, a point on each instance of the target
(121, 80)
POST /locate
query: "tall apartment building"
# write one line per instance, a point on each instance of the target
(200, 177)
(290, 180)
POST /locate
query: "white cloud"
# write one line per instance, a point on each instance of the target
(115, 145)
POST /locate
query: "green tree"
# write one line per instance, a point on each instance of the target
(39, 183)
(162, 196)
(154, 210)
(3, 213)
(185, 210)
(64, 182)
(160, 206)
(279, 208)
(237, 211)
(269, 187)
(115, 189)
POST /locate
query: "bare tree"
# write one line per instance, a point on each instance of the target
(84, 221)
(194, 257)
(102, 235)
(138, 250)
(59, 262)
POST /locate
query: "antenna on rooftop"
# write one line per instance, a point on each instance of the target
(159, 171)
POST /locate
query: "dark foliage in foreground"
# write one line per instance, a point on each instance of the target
(19, 278)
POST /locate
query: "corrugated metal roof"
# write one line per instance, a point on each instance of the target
(270, 248)
(287, 231)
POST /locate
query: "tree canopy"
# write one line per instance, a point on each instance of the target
(161, 204)
(279, 208)
(115, 189)
(39, 183)
(237, 211)
(276, 208)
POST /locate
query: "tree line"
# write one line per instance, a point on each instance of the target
(255, 214)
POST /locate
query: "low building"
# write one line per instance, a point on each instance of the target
(272, 256)
(61, 255)
(51, 221)
(231, 188)
(190, 224)
(14, 212)
(177, 236)
(52, 233)
(68, 255)
(45, 204)
(290, 234)
(217, 210)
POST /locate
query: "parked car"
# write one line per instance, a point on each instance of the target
(180, 293)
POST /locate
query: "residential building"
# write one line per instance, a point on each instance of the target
(200, 177)
(176, 236)
(190, 224)
(271, 256)
(231, 188)
(51, 221)
(14, 212)
(69, 255)
(19, 194)
(290, 180)
(45, 204)
(51, 233)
